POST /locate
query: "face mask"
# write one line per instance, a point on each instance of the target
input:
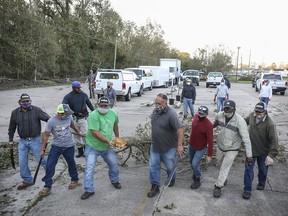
(159, 109)
(103, 111)
(201, 118)
(228, 115)
(25, 105)
(64, 117)
(188, 83)
(260, 115)
(222, 83)
(108, 86)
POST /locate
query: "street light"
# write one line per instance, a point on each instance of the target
(237, 64)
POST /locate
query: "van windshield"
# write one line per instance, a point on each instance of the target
(109, 76)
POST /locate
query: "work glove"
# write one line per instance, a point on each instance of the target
(249, 160)
(268, 161)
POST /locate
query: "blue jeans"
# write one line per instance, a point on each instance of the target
(195, 157)
(168, 158)
(249, 172)
(109, 157)
(220, 104)
(265, 100)
(188, 102)
(23, 151)
(54, 154)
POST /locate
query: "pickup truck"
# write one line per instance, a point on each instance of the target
(275, 80)
(145, 76)
(124, 82)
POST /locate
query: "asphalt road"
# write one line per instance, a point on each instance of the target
(132, 199)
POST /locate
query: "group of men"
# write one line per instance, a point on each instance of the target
(92, 130)
(260, 141)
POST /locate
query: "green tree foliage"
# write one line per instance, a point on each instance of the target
(66, 38)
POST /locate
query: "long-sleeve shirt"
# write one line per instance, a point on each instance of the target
(266, 91)
(202, 135)
(78, 103)
(222, 91)
(28, 123)
(189, 91)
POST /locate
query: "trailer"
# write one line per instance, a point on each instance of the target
(161, 75)
(174, 66)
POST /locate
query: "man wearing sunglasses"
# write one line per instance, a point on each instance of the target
(264, 140)
(27, 119)
(78, 102)
(233, 132)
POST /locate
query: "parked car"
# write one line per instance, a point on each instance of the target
(275, 81)
(214, 78)
(124, 82)
(193, 75)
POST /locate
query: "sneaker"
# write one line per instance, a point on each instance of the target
(217, 192)
(117, 185)
(44, 192)
(260, 186)
(74, 184)
(172, 182)
(246, 195)
(24, 185)
(86, 195)
(154, 191)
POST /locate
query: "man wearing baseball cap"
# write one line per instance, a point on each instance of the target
(233, 132)
(264, 140)
(102, 122)
(62, 144)
(27, 120)
(78, 102)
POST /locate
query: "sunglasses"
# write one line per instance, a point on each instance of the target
(228, 110)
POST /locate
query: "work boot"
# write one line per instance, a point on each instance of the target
(260, 186)
(217, 192)
(74, 184)
(154, 191)
(80, 152)
(117, 185)
(246, 195)
(172, 182)
(86, 195)
(196, 183)
(24, 185)
(44, 192)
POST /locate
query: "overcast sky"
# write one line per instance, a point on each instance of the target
(258, 26)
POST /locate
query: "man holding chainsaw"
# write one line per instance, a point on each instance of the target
(167, 136)
(78, 102)
(59, 125)
(27, 119)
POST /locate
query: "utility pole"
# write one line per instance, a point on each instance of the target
(237, 64)
(249, 62)
(115, 53)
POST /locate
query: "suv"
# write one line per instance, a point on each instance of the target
(193, 75)
(124, 82)
(214, 78)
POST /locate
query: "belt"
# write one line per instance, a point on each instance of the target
(29, 138)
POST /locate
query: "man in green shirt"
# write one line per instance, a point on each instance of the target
(102, 122)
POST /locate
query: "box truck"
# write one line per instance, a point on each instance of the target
(174, 66)
(161, 75)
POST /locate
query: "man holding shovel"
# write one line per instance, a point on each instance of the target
(27, 119)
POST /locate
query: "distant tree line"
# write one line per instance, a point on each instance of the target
(66, 38)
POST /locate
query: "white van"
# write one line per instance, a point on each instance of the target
(124, 82)
(145, 75)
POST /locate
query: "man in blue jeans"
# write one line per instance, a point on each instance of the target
(102, 122)
(62, 144)
(27, 119)
(221, 95)
(188, 96)
(264, 141)
(167, 136)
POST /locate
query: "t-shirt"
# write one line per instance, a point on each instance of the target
(62, 136)
(164, 130)
(104, 124)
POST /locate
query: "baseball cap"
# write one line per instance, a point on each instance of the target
(24, 97)
(76, 84)
(203, 110)
(104, 101)
(260, 107)
(230, 104)
(64, 108)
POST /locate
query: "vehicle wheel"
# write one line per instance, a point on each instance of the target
(197, 83)
(128, 96)
(256, 89)
(207, 85)
(99, 96)
(282, 93)
(151, 87)
(139, 94)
